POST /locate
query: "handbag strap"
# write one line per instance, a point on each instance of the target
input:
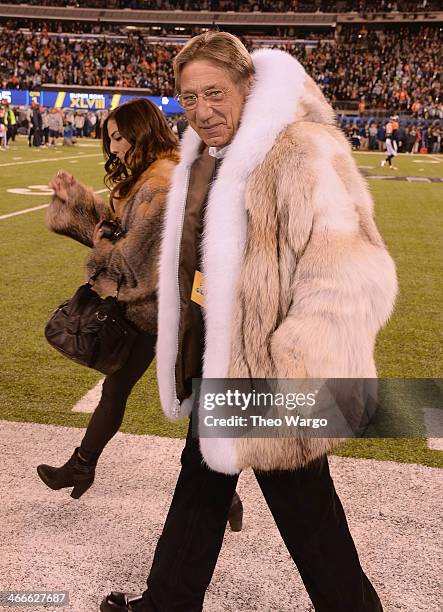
(97, 273)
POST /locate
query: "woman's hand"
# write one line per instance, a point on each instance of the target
(98, 234)
(63, 185)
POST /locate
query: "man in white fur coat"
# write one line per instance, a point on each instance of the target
(268, 207)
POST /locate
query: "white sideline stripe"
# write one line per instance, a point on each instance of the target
(50, 159)
(434, 427)
(90, 400)
(22, 212)
(27, 210)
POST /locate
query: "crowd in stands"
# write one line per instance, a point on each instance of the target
(396, 70)
(29, 60)
(279, 6)
(386, 69)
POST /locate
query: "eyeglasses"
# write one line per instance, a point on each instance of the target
(213, 97)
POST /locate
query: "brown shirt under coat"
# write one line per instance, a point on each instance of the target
(191, 325)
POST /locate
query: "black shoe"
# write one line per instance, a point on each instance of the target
(235, 516)
(74, 473)
(121, 602)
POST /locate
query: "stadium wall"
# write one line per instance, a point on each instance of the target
(81, 100)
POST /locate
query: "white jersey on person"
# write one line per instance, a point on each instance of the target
(391, 143)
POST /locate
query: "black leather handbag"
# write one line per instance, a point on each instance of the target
(92, 331)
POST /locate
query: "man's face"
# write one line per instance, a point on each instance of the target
(215, 121)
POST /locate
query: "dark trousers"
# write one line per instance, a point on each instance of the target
(308, 514)
(108, 416)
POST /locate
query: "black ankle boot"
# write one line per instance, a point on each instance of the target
(75, 473)
(235, 516)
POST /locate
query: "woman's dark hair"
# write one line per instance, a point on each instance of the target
(144, 126)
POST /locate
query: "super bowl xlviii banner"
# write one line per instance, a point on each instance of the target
(83, 101)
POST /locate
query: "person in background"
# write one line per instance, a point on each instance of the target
(423, 139)
(45, 123)
(27, 117)
(355, 138)
(102, 114)
(372, 137)
(79, 124)
(68, 133)
(381, 137)
(182, 124)
(36, 130)
(69, 115)
(400, 137)
(3, 132)
(416, 145)
(55, 125)
(391, 144)
(10, 121)
(363, 133)
(411, 134)
(92, 119)
(436, 146)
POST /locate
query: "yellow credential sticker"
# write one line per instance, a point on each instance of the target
(198, 289)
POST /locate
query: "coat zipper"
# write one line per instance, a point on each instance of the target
(176, 406)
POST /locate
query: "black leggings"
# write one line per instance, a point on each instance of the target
(108, 416)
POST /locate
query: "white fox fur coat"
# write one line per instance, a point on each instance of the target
(298, 280)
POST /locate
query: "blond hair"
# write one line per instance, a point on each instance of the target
(220, 48)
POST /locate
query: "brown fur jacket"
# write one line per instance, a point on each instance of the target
(298, 281)
(132, 259)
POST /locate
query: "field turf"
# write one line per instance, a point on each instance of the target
(40, 270)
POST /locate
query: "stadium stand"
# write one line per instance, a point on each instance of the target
(277, 6)
(397, 69)
(372, 58)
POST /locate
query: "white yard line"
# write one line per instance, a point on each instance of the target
(27, 210)
(50, 159)
(90, 400)
(22, 212)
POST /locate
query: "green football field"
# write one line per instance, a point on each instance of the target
(40, 270)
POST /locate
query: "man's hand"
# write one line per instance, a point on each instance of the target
(63, 185)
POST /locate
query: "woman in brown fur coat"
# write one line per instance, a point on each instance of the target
(141, 154)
